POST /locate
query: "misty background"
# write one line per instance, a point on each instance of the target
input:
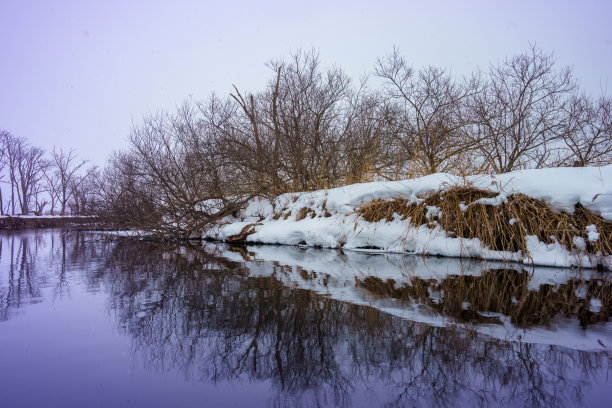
(80, 74)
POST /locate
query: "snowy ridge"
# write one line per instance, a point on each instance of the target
(331, 221)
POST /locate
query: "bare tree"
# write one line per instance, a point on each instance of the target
(431, 125)
(122, 203)
(10, 149)
(587, 131)
(520, 112)
(370, 151)
(4, 137)
(63, 176)
(83, 197)
(290, 136)
(310, 120)
(172, 181)
(26, 166)
(29, 172)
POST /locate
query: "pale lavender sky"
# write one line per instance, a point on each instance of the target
(79, 73)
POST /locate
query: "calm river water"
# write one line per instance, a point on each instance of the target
(89, 320)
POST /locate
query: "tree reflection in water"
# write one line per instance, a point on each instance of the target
(204, 315)
(191, 310)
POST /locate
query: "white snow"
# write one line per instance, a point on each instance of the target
(335, 224)
(592, 232)
(258, 207)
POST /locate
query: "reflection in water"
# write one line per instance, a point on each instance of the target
(214, 318)
(34, 260)
(504, 291)
(21, 281)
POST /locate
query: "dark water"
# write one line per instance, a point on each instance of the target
(88, 321)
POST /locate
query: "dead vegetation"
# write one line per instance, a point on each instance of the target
(304, 212)
(501, 226)
(378, 210)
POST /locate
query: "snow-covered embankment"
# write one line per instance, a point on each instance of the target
(577, 209)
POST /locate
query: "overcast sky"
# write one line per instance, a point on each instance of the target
(79, 73)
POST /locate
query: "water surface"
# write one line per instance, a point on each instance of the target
(90, 321)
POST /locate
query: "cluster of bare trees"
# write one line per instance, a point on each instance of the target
(311, 127)
(57, 183)
(521, 113)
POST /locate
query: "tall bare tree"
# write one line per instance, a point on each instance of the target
(431, 125)
(11, 148)
(63, 176)
(520, 113)
(26, 165)
(587, 131)
(4, 136)
(29, 171)
(83, 197)
(290, 136)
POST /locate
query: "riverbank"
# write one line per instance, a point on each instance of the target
(552, 217)
(27, 222)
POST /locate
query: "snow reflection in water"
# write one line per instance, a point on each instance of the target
(320, 327)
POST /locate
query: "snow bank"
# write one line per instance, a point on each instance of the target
(331, 222)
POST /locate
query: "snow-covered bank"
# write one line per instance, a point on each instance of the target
(328, 218)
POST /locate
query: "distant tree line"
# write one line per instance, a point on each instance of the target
(33, 181)
(312, 127)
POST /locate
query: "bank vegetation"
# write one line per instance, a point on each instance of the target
(313, 127)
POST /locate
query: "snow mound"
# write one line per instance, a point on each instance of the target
(327, 218)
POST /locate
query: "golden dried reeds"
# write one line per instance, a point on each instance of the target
(501, 226)
(303, 213)
(378, 210)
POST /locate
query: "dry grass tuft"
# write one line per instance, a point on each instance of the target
(378, 210)
(491, 224)
(500, 227)
(304, 212)
(467, 194)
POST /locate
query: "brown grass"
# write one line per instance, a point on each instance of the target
(324, 209)
(491, 224)
(304, 212)
(378, 210)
